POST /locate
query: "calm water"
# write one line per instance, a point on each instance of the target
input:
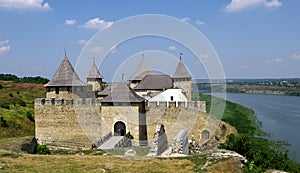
(280, 117)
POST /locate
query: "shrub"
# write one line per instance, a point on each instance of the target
(43, 149)
(30, 116)
(4, 105)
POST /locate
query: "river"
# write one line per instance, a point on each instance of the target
(280, 117)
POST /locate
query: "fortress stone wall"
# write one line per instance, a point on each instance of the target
(78, 123)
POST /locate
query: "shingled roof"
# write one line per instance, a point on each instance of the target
(155, 82)
(141, 71)
(65, 75)
(121, 93)
(181, 71)
(94, 73)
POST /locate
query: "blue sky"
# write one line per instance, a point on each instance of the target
(253, 38)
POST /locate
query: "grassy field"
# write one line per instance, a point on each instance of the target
(240, 117)
(16, 108)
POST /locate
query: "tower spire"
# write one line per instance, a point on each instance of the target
(65, 52)
(180, 56)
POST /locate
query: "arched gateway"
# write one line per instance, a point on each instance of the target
(119, 129)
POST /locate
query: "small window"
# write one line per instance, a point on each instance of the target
(57, 90)
(172, 98)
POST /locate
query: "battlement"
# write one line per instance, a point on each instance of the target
(199, 105)
(58, 102)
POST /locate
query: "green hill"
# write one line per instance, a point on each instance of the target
(16, 107)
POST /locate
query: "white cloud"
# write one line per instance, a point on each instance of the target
(172, 48)
(83, 42)
(70, 22)
(273, 4)
(199, 22)
(97, 49)
(185, 19)
(4, 47)
(296, 56)
(239, 5)
(25, 5)
(276, 60)
(97, 24)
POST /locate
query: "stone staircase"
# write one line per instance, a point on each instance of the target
(111, 142)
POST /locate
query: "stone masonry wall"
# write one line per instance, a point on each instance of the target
(174, 118)
(66, 123)
(112, 114)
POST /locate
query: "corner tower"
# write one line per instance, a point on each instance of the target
(94, 78)
(182, 79)
(64, 82)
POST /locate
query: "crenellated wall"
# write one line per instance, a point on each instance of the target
(67, 123)
(78, 123)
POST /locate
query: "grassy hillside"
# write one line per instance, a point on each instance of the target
(16, 108)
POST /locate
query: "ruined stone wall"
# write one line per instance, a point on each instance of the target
(174, 116)
(186, 86)
(67, 123)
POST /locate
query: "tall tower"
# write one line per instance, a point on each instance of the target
(64, 82)
(95, 78)
(182, 79)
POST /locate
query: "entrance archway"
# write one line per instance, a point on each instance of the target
(119, 129)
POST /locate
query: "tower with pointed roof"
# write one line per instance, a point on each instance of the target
(140, 72)
(64, 82)
(182, 79)
(94, 79)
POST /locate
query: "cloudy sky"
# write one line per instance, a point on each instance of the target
(253, 38)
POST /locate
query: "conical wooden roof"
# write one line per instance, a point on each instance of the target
(65, 75)
(121, 93)
(181, 71)
(94, 73)
(141, 71)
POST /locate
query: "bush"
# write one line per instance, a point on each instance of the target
(22, 103)
(30, 116)
(260, 153)
(4, 105)
(43, 149)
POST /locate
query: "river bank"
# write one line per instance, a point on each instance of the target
(252, 141)
(279, 117)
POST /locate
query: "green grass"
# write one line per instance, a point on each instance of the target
(17, 108)
(242, 118)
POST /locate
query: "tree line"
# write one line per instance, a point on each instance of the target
(14, 78)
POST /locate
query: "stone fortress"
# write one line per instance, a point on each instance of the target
(75, 114)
